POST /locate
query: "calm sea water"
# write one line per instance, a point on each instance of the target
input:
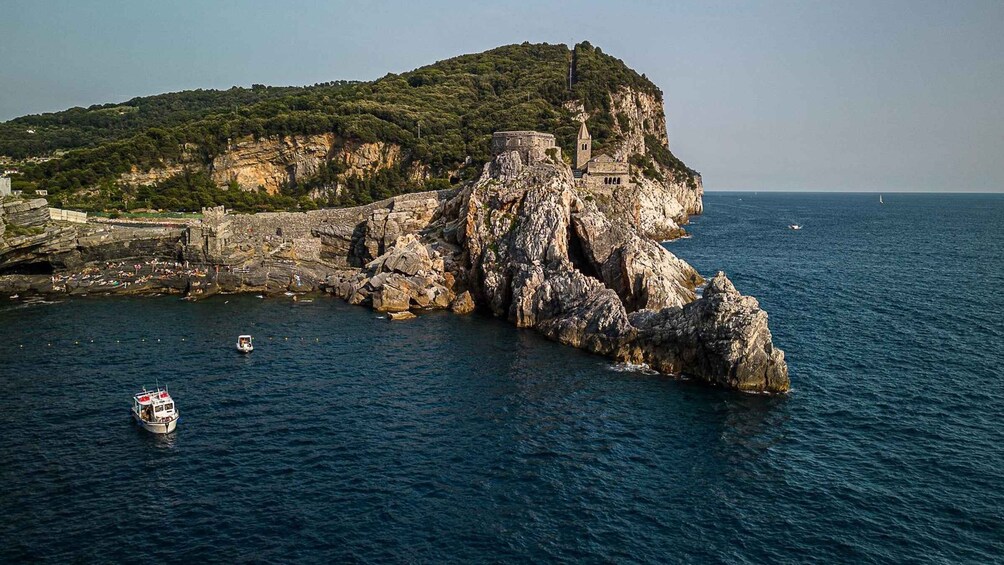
(344, 437)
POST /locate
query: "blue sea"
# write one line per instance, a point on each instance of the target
(348, 438)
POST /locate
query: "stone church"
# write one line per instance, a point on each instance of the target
(599, 174)
(602, 173)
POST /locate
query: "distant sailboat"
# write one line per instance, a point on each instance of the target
(880, 199)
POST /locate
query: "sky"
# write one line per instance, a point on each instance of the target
(801, 95)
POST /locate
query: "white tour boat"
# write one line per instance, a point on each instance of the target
(794, 227)
(244, 344)
(155, 411)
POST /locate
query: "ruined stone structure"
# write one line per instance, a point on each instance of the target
(532, 146)
(599, 174)
(207, 241)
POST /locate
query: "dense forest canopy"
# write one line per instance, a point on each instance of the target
(456, 103)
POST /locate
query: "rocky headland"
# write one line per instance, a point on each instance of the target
(523, 242)
(572, 253)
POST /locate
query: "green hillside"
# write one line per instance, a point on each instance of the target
(457, 103)
(43, 134)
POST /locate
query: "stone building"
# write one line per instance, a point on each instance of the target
(602, 173)
(532, 146)
(4, 186)
(207, 240)
(583, 148)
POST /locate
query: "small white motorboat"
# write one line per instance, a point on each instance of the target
(155, 411)
(244, 344)
(794, 227)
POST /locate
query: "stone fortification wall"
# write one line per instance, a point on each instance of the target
(339, 236)
(532, 146)
(303, 224)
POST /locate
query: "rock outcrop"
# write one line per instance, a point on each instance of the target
(722, 339)
(536, 253)
(646, 119)
(24, 213)
(410, 275)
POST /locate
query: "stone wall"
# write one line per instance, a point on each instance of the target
(341, 237)
(59, 215)
(531, 145)
(604, 174)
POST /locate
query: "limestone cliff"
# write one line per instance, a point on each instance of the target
(270, 163)
(658, 202)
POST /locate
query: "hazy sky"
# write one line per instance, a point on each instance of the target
(869, 95)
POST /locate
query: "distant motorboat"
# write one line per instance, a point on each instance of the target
(155, 411)
(244, 344)
(794, 227)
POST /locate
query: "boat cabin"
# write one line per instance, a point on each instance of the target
(154, 406)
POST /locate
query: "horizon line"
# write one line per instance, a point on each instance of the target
(858, 191)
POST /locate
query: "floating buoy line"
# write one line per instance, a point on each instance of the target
(151, 341)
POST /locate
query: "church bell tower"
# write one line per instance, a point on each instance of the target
(583, 148)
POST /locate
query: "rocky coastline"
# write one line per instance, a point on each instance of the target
(522, 243)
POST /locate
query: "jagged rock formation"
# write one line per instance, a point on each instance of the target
(524, 245)
(536, 253)
(722, 338)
